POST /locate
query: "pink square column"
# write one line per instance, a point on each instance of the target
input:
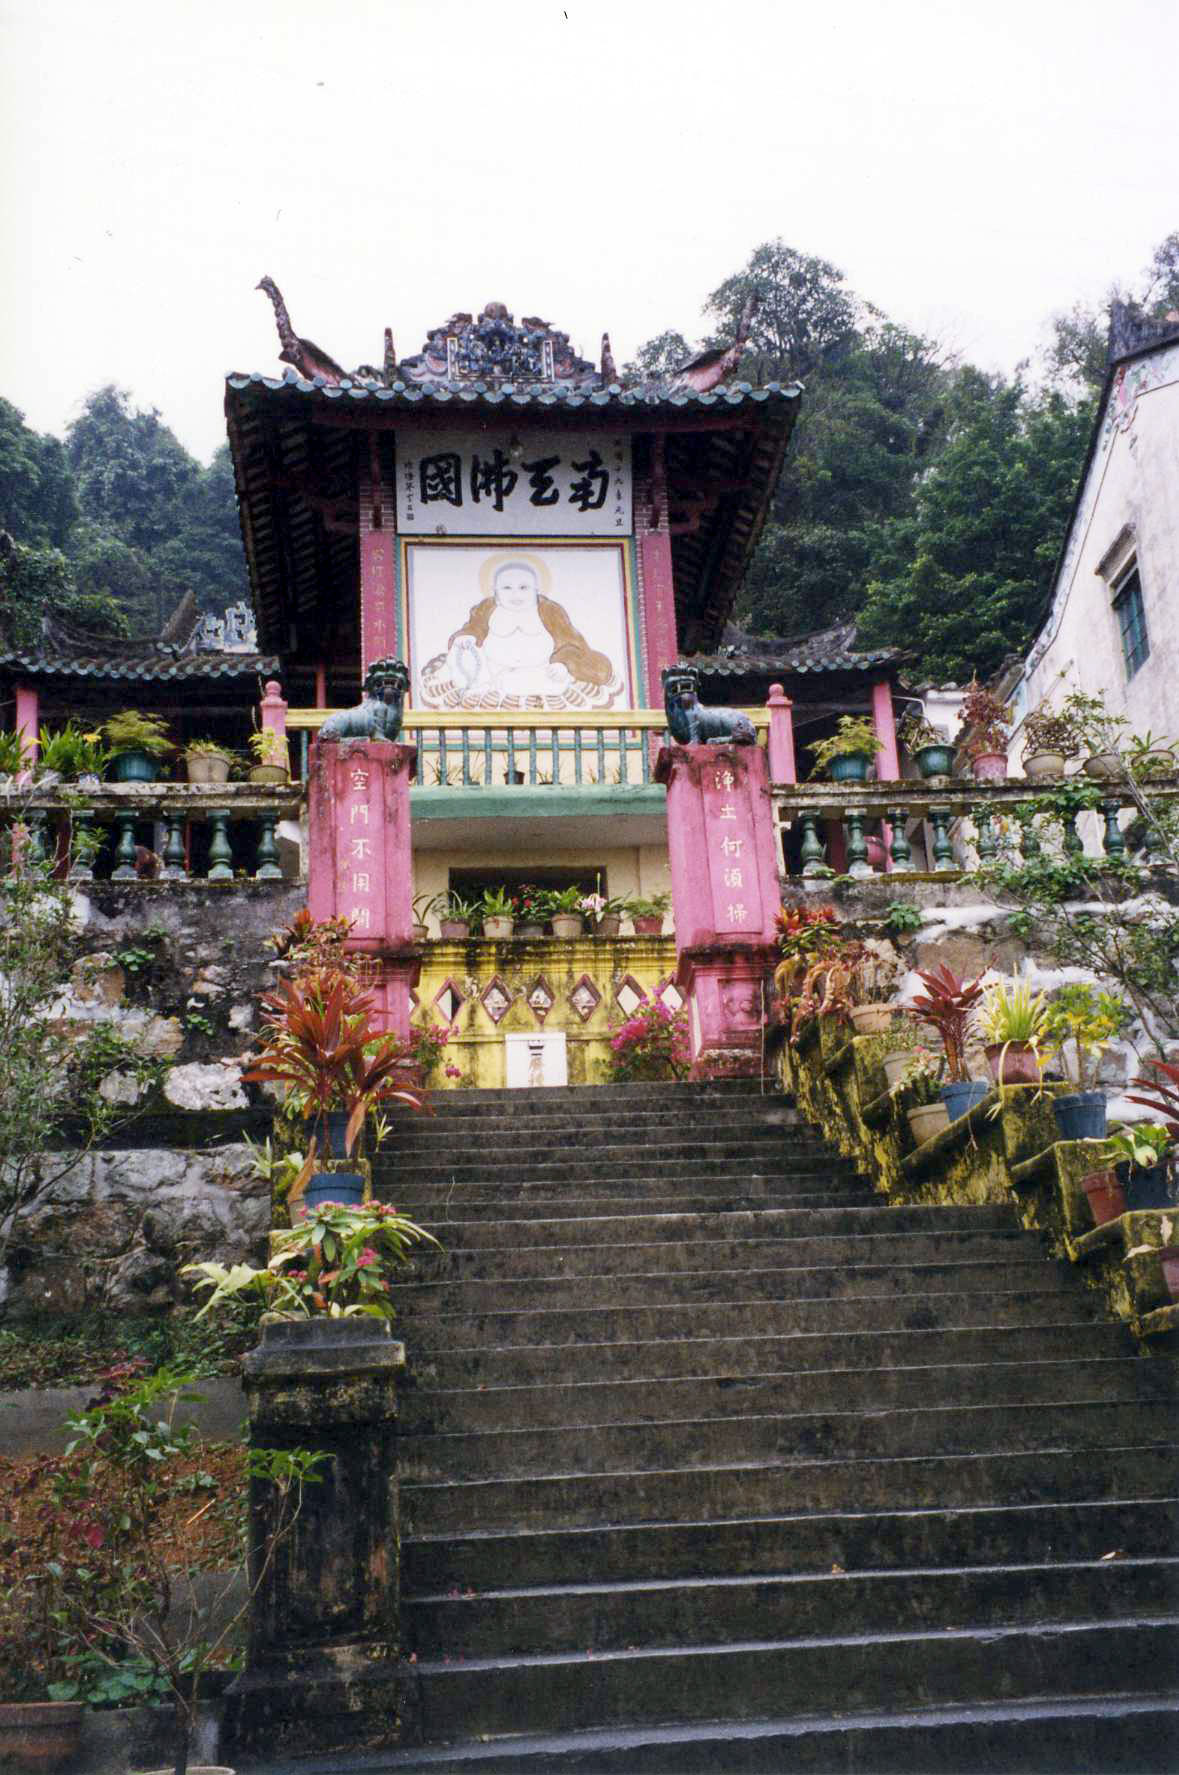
(360, 863)
(725, 895)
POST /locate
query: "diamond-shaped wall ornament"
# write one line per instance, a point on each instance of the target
(496, 1000)
(670, 995)
(541, 998)
(449, 1000)
(585, 998)
(629, 995)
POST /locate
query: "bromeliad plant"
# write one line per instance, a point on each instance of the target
(949, 1005)
(1161, 1090)
(337, 1259)
(324, 1050)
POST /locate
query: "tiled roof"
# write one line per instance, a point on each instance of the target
(827, 650)
(658, 396)
(147, 666)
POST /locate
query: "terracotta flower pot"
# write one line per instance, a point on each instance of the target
(649, 927)
(568, 924)
(268, 773)
(990, 767)
(928, 1119)
(608, 925)
(1020, 1064)
(454, 930)
(1107, 1198)
(872, 1019)
(206, 767)
(419, 932)
(496, 929)
(530, 929)
(1043, 767)
(894, 1066)
(39, 1735)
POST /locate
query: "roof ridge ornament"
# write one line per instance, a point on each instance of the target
(492, 348)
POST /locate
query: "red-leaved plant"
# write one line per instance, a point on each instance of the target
(948, 1006)
(1163, 1094)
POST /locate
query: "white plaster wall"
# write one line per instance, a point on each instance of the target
(1133, 481)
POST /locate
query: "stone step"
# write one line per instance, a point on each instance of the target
(782, 1223)
(1114, 1735)
(544, 1364)
(585, 1165)
(658, 1287)
(542, 1098)
(766, 1120)
(1143, 1470)
(682, 1138)
(762, 1182)
(665, 1445)
(760, 1679)
(470, 1409)
(582, 1201)
(560, 1255)
(1018, 1534)
(748, 1318)
(706, 1611)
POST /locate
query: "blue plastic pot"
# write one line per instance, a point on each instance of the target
(134, 767)
(961, 1096)
(335, 1186)
(935, 761)
(1080, 1115)
(853, 768)
(1150, 1186)
(329, 1131)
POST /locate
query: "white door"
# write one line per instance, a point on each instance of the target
(535, 1060)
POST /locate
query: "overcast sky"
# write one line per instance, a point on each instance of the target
(971, 167)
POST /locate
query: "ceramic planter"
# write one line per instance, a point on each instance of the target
(568, 924)
(1043, 767)
(649, 927)
(1107, 1199)
(334, 1186)
(1013, 1063)
(39, 1735)
(872, 1019)
(990, 767)
(926, 1120)
(206, 767)
(608, 925)
(1105, 766)
(934, 761)
(1080, 1115)
(961, 1095)
(454, 930)
(1149, 1186)
(851, 768)
(894, 1066)
(419, 932)
(529, 930)
(495, 929)
(134, 767)
(268, 773)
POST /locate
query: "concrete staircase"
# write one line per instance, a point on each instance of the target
(711, 1461)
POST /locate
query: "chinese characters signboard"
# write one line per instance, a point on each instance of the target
(362, 859)
(732, 862)
(543, 484)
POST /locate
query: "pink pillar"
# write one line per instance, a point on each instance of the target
(360, 864)
(783, 768)
(27, 721)
(660, 640)
(321, 686)
(273, 710)
(888, 762)
(724, 884)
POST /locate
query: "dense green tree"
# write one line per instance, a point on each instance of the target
(962, 581)
(38, 504)
(804, 311)
(39, 583)
(130, 470)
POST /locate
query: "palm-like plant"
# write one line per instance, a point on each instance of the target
(323, 1047)
(1164, 1093)
(949, 1006)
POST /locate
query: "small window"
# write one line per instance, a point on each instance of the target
(1131, 617)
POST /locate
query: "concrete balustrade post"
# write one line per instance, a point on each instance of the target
(783, 767)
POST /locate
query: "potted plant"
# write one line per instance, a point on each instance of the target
(1145, 1150)
(1013, 1023)
(872, 981)
(72, 755)
(604, 915)
(804, 933)
(1083, 1020)
(920, 1083)
(986, 729)
(207, 762)
(1048, 741)
(323, 1049)
(1159, 1091)
(136, 744)
(36, 1733)
(931, 751)
(272, 759)
(949, 1006)
(1104, 1192)
(423, 905)
(1149, 755)
(455, 917)
(563, 907)
(647, 914)
(497, 913)
(529, 902)
(847, 753)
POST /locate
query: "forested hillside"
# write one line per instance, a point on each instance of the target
(923, 497)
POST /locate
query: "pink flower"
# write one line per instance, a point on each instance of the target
(453, 1072)
(367, 1256)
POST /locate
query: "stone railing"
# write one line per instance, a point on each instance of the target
(469, 749)
(238, 819)
(940, 828)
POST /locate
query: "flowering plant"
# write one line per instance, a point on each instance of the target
(922, 1077)
(651, 1044)
(426, 1042)
(529, 902)
(335, 1259)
